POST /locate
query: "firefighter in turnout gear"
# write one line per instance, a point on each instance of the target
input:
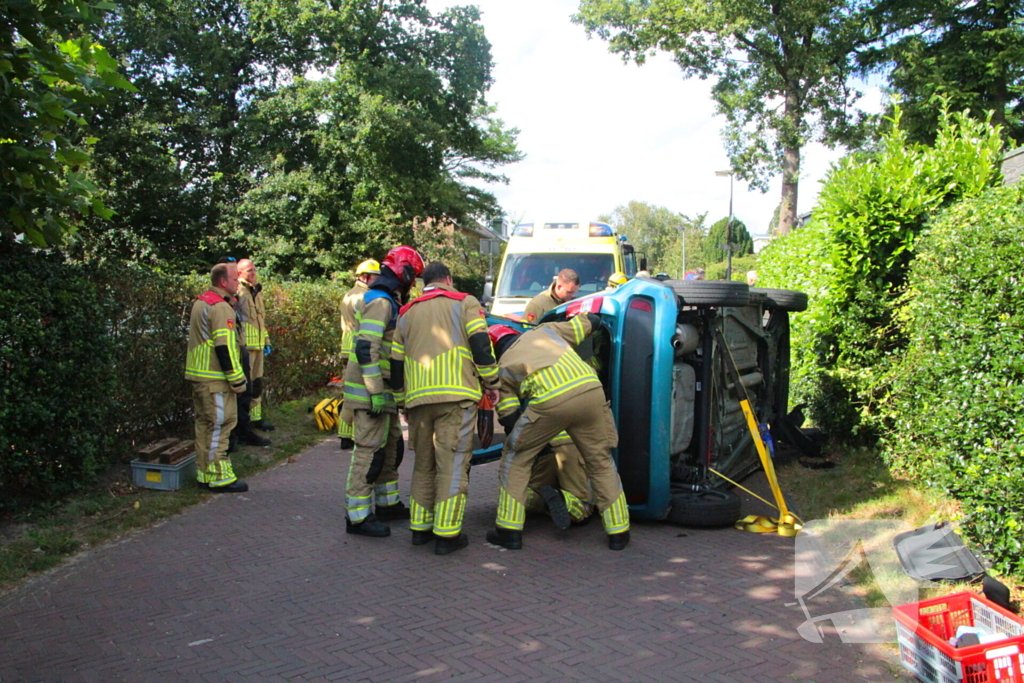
(243, 432)
(253, 307)
(214, 367)
(546, 389)
(370, 403)
(351, 304)
(564, 288)
(559, 484)
(440, 357)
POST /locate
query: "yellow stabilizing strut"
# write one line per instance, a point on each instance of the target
(787, 523)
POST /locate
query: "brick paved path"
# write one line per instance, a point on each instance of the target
(267, 586)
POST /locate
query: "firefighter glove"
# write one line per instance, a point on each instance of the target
(595, 321)
(267, 349)
(509, 421)
(376, 404)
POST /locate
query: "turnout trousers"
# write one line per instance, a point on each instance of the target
(216, 412)
(442, 436)
(373, 470)
(563, 469)
(256, 372)
(587, 418)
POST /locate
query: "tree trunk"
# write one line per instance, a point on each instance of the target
(790, 165)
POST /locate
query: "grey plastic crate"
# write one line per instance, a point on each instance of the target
(153, 475)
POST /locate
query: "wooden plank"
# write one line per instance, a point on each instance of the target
(149, 451)
(176, 453)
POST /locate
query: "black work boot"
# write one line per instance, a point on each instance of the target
(421, 537)
(392, 513)
(346, 443)
(449, 544)
(370, 526)
(263, 426)
(237, 486)
(618, 541)
(506, 538)
(247, 437)
(555, 501)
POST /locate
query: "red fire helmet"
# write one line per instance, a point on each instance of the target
(401, 257)
(496, 332)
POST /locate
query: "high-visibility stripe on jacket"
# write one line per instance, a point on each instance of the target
(252, 315)
(442, 340)
(376, 329)
(541, 366)
(212, 325)
(351, 304)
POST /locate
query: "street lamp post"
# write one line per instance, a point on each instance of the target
(728, 227)
(682, 238)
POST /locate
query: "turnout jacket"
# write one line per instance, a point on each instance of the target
(351, 304)
(252, 314)
(541, 366)
(541, 304)
(441, 351)
(369, 362)
(212, 324)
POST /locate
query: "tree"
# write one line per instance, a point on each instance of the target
(738, 236)
(781, 70)
(970, 55)
(306, 134)
(52, 75)
(655, 231)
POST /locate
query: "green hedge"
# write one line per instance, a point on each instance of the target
(92, 359)
(957, 398)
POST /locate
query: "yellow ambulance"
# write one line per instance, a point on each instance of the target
(537, 251)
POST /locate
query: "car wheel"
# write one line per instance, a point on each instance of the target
(708, 509)
(784, 299)
(712, 292)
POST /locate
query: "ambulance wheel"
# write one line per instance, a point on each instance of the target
(709, 509)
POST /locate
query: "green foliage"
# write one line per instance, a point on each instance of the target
(655, 231)
(854, 257)
(954, 406)
(52, 77)
(969, 55)
(780, 72)
(58, 386)
(740, 266)
(96, 366)
(722, 233)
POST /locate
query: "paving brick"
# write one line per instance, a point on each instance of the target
(267, 586)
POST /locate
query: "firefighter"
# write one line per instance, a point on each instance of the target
(559, 485)
(351, 304)
(213, 365)
(563, 289)
(617, 279)
(370, 403)
(440, 357)
(257, 338)
(546, 389)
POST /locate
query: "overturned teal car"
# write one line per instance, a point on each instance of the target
(662, 359)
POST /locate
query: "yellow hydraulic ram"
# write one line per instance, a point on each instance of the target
(787, 523)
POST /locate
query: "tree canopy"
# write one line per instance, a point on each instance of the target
(655, 231)
(52, 76)
(781, 70)
(308, 135)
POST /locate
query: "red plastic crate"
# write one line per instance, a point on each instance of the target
(923, 630)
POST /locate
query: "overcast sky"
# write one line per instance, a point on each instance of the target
(598, 133)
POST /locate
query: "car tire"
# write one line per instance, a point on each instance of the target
(784, 299)
(711, 292)
(708, 509)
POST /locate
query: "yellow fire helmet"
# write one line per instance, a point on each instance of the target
(617, 279)
(368, 267)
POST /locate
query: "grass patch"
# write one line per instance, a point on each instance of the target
(42, 537)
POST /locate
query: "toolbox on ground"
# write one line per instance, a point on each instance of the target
(924, 628)
(164, 465)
